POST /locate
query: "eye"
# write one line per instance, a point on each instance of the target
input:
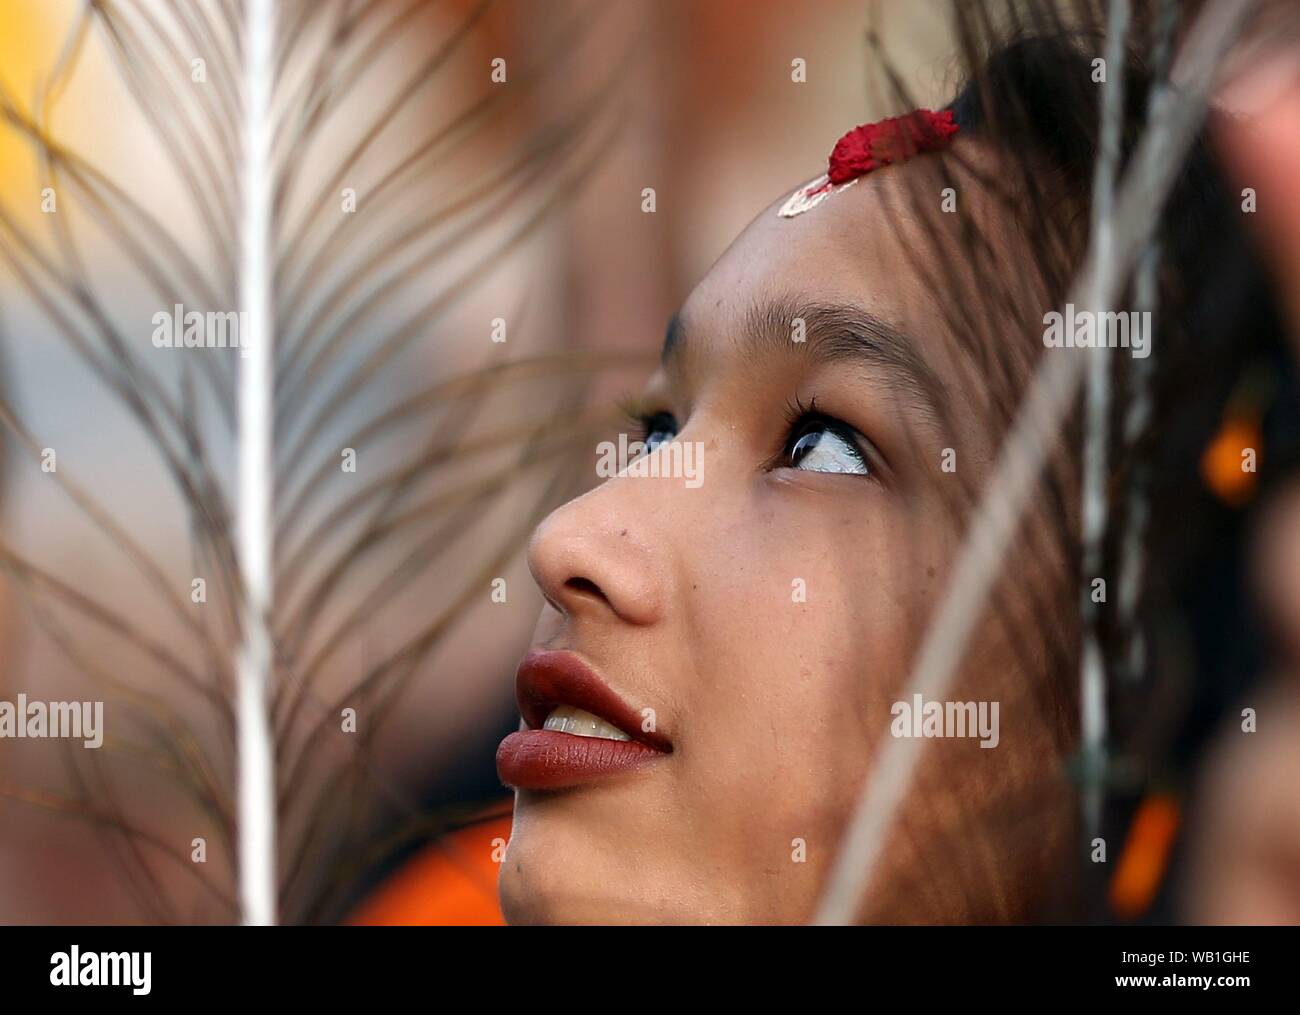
(822, 444)
(658, 428)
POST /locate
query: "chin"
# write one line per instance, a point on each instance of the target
(545, 887)
(544, 900)
(554, 874)
(557, 872)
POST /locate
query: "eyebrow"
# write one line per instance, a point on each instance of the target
(836, 333)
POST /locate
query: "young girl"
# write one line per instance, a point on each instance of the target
(721, 662)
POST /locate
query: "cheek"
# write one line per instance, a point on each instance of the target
(808, 612)
(802, 624)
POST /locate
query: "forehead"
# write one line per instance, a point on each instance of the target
(884, 245)
(867, 242)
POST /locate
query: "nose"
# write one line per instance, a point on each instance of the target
(597, 557)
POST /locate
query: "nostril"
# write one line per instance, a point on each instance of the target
(585, 586)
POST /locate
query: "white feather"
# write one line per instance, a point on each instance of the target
(257, 881)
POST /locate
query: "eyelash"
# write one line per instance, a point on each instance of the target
(798, 416)
(641, 418)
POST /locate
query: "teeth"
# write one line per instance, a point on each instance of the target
(567, 719)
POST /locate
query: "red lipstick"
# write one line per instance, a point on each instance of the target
(540, 759)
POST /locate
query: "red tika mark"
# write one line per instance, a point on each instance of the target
(896, 139)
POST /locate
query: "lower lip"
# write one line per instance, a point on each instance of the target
(546, 759)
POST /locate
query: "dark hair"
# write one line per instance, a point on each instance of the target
(1220, 348)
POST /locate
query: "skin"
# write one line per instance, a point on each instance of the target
(682, 599)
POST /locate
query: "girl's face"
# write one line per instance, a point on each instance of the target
(767, 608)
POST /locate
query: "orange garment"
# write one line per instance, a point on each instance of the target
(452, 882)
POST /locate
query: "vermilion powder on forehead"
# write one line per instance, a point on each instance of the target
(895, 139)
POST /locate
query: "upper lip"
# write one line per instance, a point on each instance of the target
(547, 679)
